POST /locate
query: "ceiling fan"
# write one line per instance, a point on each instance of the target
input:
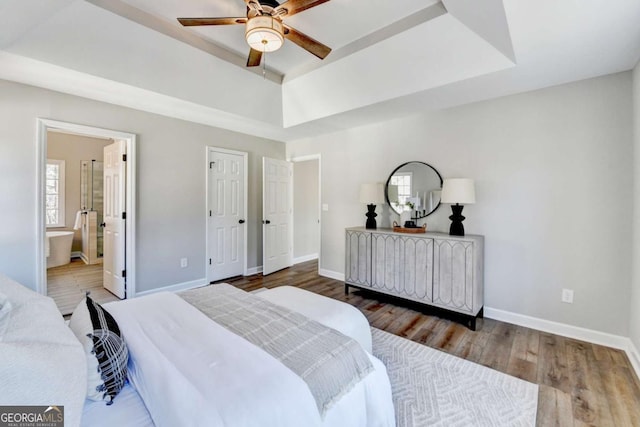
(265, 31)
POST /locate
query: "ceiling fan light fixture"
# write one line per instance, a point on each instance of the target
(264, 33)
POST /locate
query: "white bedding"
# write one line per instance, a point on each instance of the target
(191, 371)
(127, 410)
(334, 314)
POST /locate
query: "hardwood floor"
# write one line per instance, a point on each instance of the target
(581, 384)
(67, 285)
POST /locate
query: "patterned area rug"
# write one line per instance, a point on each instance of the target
(433, 388)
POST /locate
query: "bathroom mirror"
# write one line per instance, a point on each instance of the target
(414, 184)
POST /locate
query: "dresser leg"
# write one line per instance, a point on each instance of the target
(346, 289)
(481, 313)
(472, 323)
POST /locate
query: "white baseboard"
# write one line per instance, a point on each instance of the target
(576, 332)
(304, 258)
(570, 331)
(331, 274)
(76, 254)
(253, 270)
(634, 357)
(176, 288)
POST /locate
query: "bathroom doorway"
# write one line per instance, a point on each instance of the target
(74, 211)
(76, 229)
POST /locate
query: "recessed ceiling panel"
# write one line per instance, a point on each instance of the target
(335, 23)
(436, 53)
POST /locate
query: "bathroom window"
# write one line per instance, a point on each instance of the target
(54, 194)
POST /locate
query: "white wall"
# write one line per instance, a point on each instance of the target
(634, 328)
(171, 182)
(306, 230)
(553, 171)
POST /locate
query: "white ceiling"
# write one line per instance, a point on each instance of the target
(335, 23)
(389, 58)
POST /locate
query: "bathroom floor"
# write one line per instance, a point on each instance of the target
(67, 285)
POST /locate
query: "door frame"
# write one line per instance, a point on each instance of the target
(317, 157)
(245, 159)
(45, 125)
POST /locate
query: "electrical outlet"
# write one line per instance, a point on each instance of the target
(184, 262)
(325, 207)
(567, 296)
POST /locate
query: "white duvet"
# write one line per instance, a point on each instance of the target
(190, 371)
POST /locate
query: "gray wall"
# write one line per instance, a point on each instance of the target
(73, 149)
(171, 182)
(634, 322)
(554, 173)
(306, 230)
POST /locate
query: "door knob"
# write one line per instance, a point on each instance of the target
(102, 224)
(241, 221)
(267, 222)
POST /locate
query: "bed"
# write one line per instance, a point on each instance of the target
(186, 370)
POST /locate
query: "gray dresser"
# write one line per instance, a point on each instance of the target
(431, 268)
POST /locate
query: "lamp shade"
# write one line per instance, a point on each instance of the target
(458, 190)
(264, 33)
(372, 193)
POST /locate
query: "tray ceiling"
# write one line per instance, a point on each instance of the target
(389, 58)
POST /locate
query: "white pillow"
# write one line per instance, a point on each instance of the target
(41, 361)
(104, 347)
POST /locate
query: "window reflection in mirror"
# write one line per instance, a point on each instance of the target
(414, 184)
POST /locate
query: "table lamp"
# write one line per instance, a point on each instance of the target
(370, 194)
(458, 192)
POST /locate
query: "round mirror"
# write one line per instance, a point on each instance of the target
(414, 186)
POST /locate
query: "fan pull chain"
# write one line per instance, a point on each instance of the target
(264, 67)
(264, 62)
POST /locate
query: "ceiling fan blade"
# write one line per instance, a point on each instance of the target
(254, 5)
(255, 56)
(292, 7)
(306, 42)
(191, 22)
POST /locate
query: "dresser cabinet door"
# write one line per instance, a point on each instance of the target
(453, 284)
(358, 258)
(403, 266)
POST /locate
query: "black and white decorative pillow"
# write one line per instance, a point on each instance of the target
(106, 351)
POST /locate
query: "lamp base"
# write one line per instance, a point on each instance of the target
(371, 217)
(456, 229)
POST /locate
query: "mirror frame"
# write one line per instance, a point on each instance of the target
(386, 188)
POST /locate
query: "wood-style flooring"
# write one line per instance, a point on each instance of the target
(581, 384)
(68, 284)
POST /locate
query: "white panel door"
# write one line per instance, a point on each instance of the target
(227, 220)
(114, 221)
(277, 211)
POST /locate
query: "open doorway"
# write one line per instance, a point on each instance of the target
(306, 209)
(74, 211)
(85, 211)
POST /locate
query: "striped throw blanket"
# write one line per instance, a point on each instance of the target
(329, 362)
